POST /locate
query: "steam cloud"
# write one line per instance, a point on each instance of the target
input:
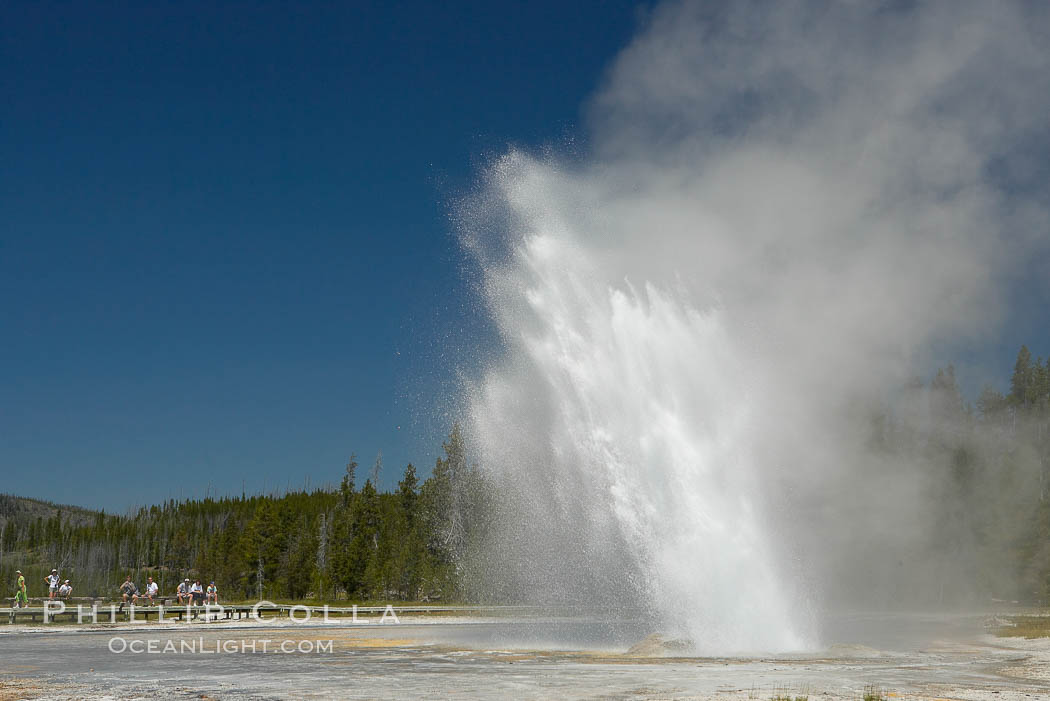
(783, 209)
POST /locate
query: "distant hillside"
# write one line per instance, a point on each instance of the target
(24, 509)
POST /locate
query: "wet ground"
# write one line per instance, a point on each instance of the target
(549, 658)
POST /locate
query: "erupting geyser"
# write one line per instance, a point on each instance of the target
(641, 398)
(782, 207)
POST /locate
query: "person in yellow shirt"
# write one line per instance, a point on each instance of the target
(21, 599)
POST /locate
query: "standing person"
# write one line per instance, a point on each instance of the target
(151, 590)
(66, 590)
(21, 598)
(52, 584)
(183, 592)
(213, 594)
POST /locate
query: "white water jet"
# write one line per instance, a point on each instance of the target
(643, 404)
(776, 222)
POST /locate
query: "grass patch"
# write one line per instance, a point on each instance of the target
(785, 695)
(873, 693)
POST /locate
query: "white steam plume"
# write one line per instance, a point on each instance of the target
(786, 205)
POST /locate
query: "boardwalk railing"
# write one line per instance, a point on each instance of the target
(97, 612)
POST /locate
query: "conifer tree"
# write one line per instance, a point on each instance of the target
(1021, 381)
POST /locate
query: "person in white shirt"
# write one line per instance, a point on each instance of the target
(66, 590)
(52, 584)
(151, 589)
(197, 593)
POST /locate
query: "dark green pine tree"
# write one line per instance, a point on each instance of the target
(1041, 384)
(409, 538)
(364, 545)
(451, 504)
(346, 487)
(991, 403)
(1022, 380)
(341, 567)
(407, 493)
(298, 561)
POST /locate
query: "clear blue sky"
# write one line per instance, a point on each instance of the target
(225, 256)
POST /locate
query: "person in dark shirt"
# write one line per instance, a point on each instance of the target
(183, 592)
(128, 591)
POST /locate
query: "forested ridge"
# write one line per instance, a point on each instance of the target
(353, 542)
(985, 476)
(985, 469)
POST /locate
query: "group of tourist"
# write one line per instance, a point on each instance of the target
(193, 593)
(187, 593)
(56, 588)
(130, 593)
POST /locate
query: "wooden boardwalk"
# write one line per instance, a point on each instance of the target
(109, 612)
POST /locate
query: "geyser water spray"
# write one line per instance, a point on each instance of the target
(644, 432)
(782, 208)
